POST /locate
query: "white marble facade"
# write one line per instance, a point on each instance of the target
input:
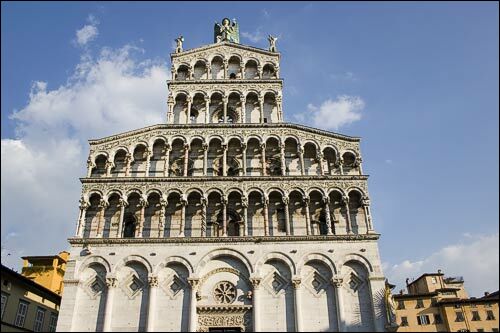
(225, 218)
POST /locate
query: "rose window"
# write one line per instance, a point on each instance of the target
(225, 292)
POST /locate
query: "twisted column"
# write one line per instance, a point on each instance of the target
(263, 153)
(261, 105)
(308, 216)
(224, 106)
(205, 158)
(224, 217)
(122, 203)
(243, 109)
(186, 159)
(204, 216)
(244, 153)
(282, 156)
(300, 152)
(224, 159)
(328, 218)
(167, 160)
(286, 201)
(161, 223)
(183, 216)
(143, 203)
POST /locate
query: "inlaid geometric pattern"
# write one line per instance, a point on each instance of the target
(132, 286)
(172, 285)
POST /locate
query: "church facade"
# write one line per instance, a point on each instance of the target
(225, 218)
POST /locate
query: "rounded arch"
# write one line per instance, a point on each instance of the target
(252, 59)
(312, 189)
(215, 136)
(94, 259)
(216, 190)
(158, 138)
(329, 146)
(220, 253)
(336, 189)
(299, 191)
(355, 189)
(173, 191)
(254, 136)
(196, 137)
(237, 55)
(134, 258)
(194, 190)
(179, 137)
(273, 136)
(175, 259)
(313, 142)
(132, 191)
(92, 192)
(101, 153)
(358, 258)
(235, 189)
(276, 189)
(316, 257)
(276, 256)
(216, 55)
(117, 149)
(113, 191)
(256, 189)
(181, 92)
(154, 191)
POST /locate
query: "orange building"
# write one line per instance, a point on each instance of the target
(47, 271)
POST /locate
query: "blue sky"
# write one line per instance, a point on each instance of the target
(426, 76)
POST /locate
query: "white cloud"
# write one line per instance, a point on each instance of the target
(333, 114)
(347, 76)
(254, 37)
(110, 94)
(388, 161)
(475, 258)
(89, 32)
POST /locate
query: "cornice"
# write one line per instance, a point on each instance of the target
(224, 81)
(221, 240)
(261, 126)
(216, 45)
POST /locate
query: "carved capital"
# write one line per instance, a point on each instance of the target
(286, 201)
(153, 281)
(337, 281)
(103, 204)
(263, 146)
(111, 282)
(143, 202)
(296, 282)
(306, 200)
(243, 145)
(83, 204)
(255, 281)
(244, 202)
(193, 283)
(122, 202)
(205, 146)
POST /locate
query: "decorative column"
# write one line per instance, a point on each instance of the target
(277, 70)
(259, 71)
(297, 304)
(204, 203)
(167, 159)
(261, 105)
(244, 204)
(153, 287)
(225, 65)
(242, 72)
(108, 307)
(266, 216)
(90, 166)
(186, 159)
(243, 109)
(148, 161)
(300, 151)
(224, 159)
(109, 166)
(207, 69)
(319, 158)
(122, 203)
(207, 109)
(193, 316)
(328, 219)
(161, 224)
(128, 161)
(80, 225)
(357, 163)
(279, 100)
(308, 216)
(255, 281)
(224, 217)
(188, 111)
(100, 222)
(337, 283)
(341, 163)
(205, 158)
(183, 216)
(225, 100)
(286, 201)
(345, 202)
(170, 114)
(244, 152)
(143, 203)
(263, 154)
(282, 155)
(365, 202)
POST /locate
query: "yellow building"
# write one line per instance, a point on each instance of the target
(26, 305)
(47, 271)
(435, 303)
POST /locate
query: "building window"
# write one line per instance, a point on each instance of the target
(459, 316)
(4, 303)
(433, 279)
(401, 305)
(53, 322)
(420, 304)
(40, 316)
(490, 315)
(423, 320)
(22, 310)
(438, 319)
(404, 321)
(475, 316)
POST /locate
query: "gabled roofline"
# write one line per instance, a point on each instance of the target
(214, 45)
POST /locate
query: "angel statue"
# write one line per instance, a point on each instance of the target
(272, 43)
(227, 31)
(179, 41)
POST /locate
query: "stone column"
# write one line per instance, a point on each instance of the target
(261, 105)
(263, 153)
(205, 158)
(328, 219)
(242, 71)
(148, 161)
(208, 70)
(90, 166)
(186, 159)
(188, 111)
(280, 108)
(183, 216)
(193, 316)
(153, 287)
(204, 203)
(319, 158)
(244, 152)
(170, 114)
(80, 225)
(283, 163)
(167, 160)
(224, 108)
(266, 216)
(345, 202)
(300, 151)
(256, 303)
(308, 216)
(108, 307)
(337, 283)
(207, 109)
(161, 224)
(357, 163)
(122, 203)
(225, 65)
(143, 203)
(109, 166)
(128, 162)
(243, 109)
(298, 303)
(224, 159)
(365, 202)
(286, 201)
(224, 217)
(341, 163)
(259, 71)
(244, 204)
(100, 222)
